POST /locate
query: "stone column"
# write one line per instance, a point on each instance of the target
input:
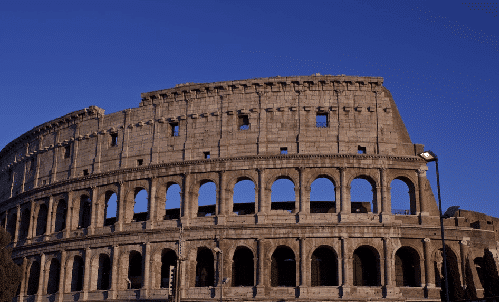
(56, 151)
(185, 206)
(86, 274)
(152, 216)
(62, 279)
(24, 279)
(48, 228)
(147, 270)
(346, 268)
(69, 215)
(464, 245)
(260, 285)
(303, 265)
(32, 225)
(386, 206)
(428, 268)
(93, 211)
(421, 185)
(223, 204)
(345, 203)
(121, 208)
(18, 221)
(388, 267)
(303, 206)
(41, 279)
(113, 293)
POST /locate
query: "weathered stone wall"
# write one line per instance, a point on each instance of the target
(48, 173)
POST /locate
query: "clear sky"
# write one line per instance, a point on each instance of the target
(439, 59)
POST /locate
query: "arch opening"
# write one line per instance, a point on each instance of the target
(77, 274)
(283, 195)
(135, 270)
(402, 197)
(24, 226)
(85, 211)
(111, 208)
(11, 225)
(283, 267)
(140, 208)
(104, 273)
(168, 262)
(366, 270)
(207, 199)
(407, 267)
(172, 203)
(60, 216)
(243, 267)
(205, 271)
(324, 267)
(34, 277)
(54, 275)
(322, 196)
(243, 198)
(41, 221)
(362, 195)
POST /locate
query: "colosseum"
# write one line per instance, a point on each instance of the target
(58, 181)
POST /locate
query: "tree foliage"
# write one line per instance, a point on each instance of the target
(10, 273)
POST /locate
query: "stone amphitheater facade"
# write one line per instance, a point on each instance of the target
(56, 181)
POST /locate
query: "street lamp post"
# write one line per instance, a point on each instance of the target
(429, 156)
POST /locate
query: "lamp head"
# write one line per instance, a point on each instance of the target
(428, 156)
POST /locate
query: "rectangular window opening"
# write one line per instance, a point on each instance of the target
(284, 150)
(114, 139)
(321, 120)
(140, 162)
(67, 151)
(361, 150)
(243, 122)
(206, 155)
(175, 129)
(85, 172)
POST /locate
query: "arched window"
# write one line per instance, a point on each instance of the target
(168, 259)
(135, 269)
(362, 195)
(407, 267)
(24, 226)
(110, 208)
(140, 206)
(54, 275)
(322, 196)
(172, 204)
(243, 267)
(207, 199)
(77, 274)
(85, 211)
(283, 195)
(244, 197)
(453, 273)
(34, 277)
(283, 267)
(205, 272)
(366, 270)
(403, 198)
(11, 224)
(104, 273)
(60, 216)
(324, 271)
(41, 222)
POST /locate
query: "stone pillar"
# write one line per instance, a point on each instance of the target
(121, 208)
(303, 265)
(386, 207)
(73, 172)
(303, 206)
(18, 221)
(32, 225)
(98, 143)
(62, 279)
(464, 245)
(388, 268)
(260, 285)
(147, 271)
(264, 201)
(41, 279)
(345, 203)
(223, 204)
(152, 216)
(428, 268)
(421, 185)
(86, 274)
(185, 206)
(56, 151)
(69, 215)
(93, 211)
(24, 280)
(48, 228)
(346, 268)
(113, 293)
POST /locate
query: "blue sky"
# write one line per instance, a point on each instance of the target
(439, 59)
